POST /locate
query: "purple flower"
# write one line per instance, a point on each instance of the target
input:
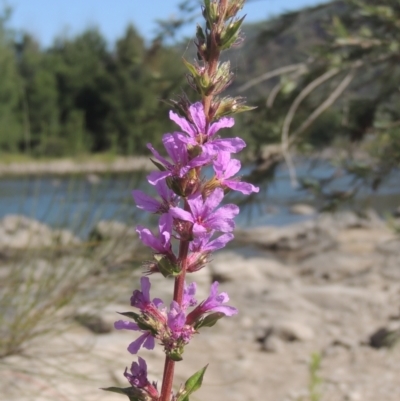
(138, 379)
(200, 134)
(201, 247)
(146, 340)
(177, 325)
(161, 243)
(188, 296)
(225, 168)
(212, 304)
(138, 376)
(181, 163)
(141, 299)
(203, 217)
(205, 244)
(176, 318)
(148, 203)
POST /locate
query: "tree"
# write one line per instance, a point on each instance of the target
(11, 91)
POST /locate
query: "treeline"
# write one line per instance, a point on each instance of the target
(81, 96)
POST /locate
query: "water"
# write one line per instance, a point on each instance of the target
(77, 204)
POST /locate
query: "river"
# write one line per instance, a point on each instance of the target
(77, 203)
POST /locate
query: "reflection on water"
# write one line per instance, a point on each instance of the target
(78, 203)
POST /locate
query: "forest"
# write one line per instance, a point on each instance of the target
(320, 77)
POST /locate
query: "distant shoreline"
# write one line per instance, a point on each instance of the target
(71, 166)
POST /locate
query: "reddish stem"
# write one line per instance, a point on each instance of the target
(169, 365)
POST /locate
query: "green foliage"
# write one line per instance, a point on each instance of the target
(314, 379)
(80, 96)
(192, 384)
(11, 89)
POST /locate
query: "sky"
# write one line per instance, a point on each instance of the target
(46, 19)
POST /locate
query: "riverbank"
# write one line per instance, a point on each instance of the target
(68, 166)
(330, 286)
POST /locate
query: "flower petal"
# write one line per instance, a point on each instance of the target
(197, 112)
(232, 145)
(224, 122)
(134, 346)
(243, 187)
(179, 213)
(145, 202)
(126, 325)
(183, 123)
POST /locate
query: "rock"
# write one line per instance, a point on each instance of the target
(353, 396)
(292, 331)
(95, 323)
(284, 330)
(303, 209)
(273, 344)
(348, 219)
(231, 266)
(340, 266)
(20, 232)
(396, 212)
(341, 299)
(297, 241)
(384, 337)
(93, 179)
(110, 229)
(390, 247)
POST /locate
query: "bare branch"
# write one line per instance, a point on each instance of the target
(273, 94)
(272, 74)
(323, 106)
(290, 115)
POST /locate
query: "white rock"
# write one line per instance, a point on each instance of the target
(292, 331)
(273, 344)
(303, 209)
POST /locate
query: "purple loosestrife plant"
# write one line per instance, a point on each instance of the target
(190, 212)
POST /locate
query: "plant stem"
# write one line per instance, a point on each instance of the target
(214, 54)
(169, 365)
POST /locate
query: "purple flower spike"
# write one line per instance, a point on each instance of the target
(140, 299)
(198, 134)
(177, 325)
(206, 245)
(146, 340)
(138, 376)
(212, 304)
(225, 168)
(203, 217)
(138, 379)
(198, 128)
(148, 203)
(188, 296)
(175, 146)
(162, 243)
(176, 319)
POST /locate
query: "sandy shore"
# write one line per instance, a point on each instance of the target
(70, 166)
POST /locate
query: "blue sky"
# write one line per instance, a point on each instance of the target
(46, 19)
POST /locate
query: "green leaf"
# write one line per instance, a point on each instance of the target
(339, 29)
(131, 315)
(209, 320)
(158, 165)
(192, 69)
(231, 34)
(192, 384)
(166, 267)
(129, 392)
